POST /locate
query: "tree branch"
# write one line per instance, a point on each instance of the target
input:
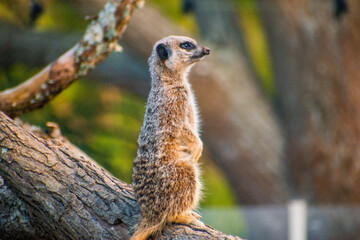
(98, 41)
(67, 193)
(38, 49)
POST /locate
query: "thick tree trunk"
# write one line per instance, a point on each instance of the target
(63, 194)
(316, 57)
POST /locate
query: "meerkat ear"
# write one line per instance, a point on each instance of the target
(163, 52)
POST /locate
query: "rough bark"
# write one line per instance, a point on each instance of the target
(64, 194)
(98, 41)
(316, 58)
(14, 218)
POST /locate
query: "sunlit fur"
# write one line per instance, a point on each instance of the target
(165, 174)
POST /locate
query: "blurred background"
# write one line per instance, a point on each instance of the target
(279, 98)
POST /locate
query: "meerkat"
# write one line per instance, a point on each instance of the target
(165, 172)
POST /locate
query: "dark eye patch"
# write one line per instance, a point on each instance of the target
(187, 45)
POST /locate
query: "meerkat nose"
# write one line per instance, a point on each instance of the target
(206, 51)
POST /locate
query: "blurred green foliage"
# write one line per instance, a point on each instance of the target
(5, 14)
(13, 11)
(173, 10)
(229, 219)
(102, 120)
(12, 75)
(58, 15)
(217, 191)
(71, 20)
(256, 43)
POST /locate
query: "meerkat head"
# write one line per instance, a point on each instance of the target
(177, 53)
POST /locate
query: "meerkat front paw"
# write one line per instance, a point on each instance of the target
(189, 218)
(199, 150)
(195, 215)
(196, 220)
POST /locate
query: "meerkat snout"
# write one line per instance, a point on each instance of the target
(201, 53)
(206, 51)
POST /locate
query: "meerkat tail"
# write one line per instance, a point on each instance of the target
(145, 230)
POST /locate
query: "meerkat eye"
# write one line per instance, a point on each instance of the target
(187, 45)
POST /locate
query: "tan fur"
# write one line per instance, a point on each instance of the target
(165, 174)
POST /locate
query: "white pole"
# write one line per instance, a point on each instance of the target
(297, 210)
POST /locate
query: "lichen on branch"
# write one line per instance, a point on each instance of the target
(98, 41)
